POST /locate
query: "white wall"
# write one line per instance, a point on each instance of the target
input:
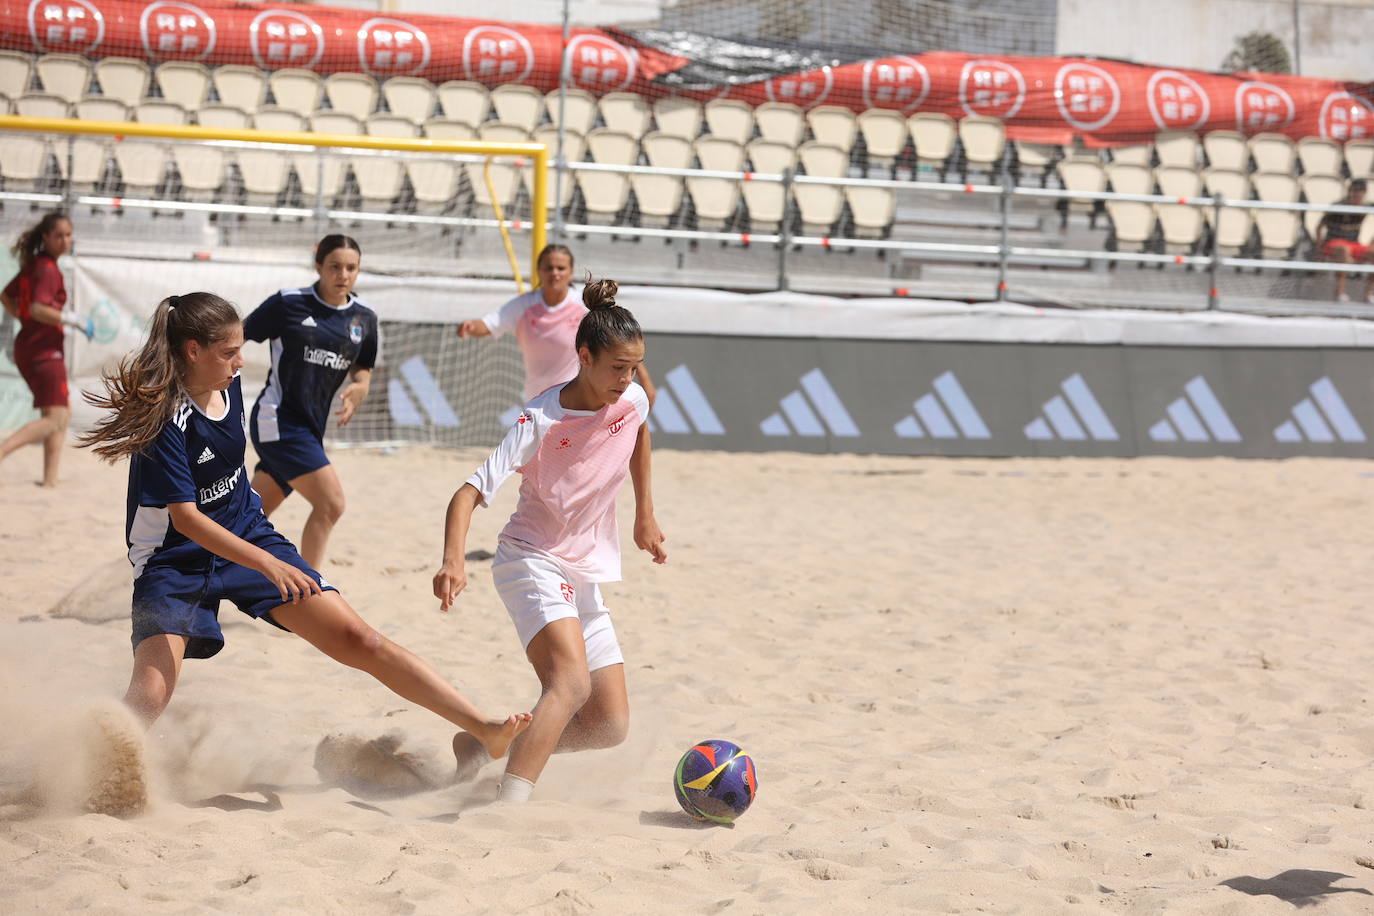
(1336, 35)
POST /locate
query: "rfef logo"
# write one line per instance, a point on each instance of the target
(598, 64)
(895, 82)
(1088, 96)
(1176, 101)
(805, 90)
(1345, 117)
(1262, 106)
(991, 88)
(493, 53)
(392, 47)
(284, 38)
(569, 593)
(177, 31)
(68, 27)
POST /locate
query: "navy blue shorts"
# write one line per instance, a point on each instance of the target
(185, 602)
(294, 453)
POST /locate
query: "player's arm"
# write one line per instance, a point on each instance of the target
(292, 583)
(474, 327)
(648, 536)
(354, 393)
(452, 576)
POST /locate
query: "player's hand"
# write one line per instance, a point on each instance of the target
(292, 584)
(649, 537)
(474, 327)
(349, 399)
(448, 583)
(89, 328)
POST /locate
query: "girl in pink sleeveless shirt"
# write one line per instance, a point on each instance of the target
(545, 321)
(572, 445)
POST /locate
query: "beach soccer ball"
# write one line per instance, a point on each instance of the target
(715, 781)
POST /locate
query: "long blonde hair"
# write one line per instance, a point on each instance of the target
(145, 387)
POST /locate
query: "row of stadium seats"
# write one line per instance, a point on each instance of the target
(1178, 229)
(926, 139)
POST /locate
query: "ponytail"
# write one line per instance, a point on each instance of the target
(606, 324)
(30, 241)
(145, 387)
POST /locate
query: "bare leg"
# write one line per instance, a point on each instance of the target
(603, 721)
(324, 491)
(53, 442)
(52, 420)
(157, 664)
(1341, 255)
(272, 495)
(328, 623)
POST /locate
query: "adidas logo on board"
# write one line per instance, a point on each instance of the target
(1085, 419)
(1196, 417)
(1324, 417)
(798, 416)
(934, 411)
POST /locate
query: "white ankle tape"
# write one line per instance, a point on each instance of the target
(514, 789)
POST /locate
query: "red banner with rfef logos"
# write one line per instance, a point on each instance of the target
(1047, 99)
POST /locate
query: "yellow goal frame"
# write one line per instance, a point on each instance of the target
(537, 152)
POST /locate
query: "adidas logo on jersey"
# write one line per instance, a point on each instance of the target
(309, 322)
(1326, 420)
(681, 407)
(205, 456)
(1196, 417)
(933, 414)
(1085, 419)
(797, 413)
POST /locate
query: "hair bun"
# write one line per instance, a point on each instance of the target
(600, 294)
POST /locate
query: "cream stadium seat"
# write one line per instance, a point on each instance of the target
(327, 121)
(278, 119)
(501, 132)
(574, 149)
(1179, 181)
(1320, 190)
(123, 79)
(1133, 224)
(142, 166)
(836, 126)
(185, 82)
(730, 119)
(505, 175)
(1129, 178)
(1319, 156)
(266, 172)
(1275, 187)
(678, 116)
(518, 105)
(461, 100)
(1359, 158)
(90, 158)
(1035, 159)
(449, 129)
(42, 105)
(626, 112)
(715, 200)
(604, 194)
(1139, 154)
(219, 115)
(872, 210)
(579, 109)
(242, 87)
(1231, 184)
(409, 97)
(1082, 175)
(666, 150)
(335, 166)
(885, 135)
(983, 139)
(1272, 152)
(1233, 231)
(780, 122)
(380, 177)
(354, 94)
(1177, 148)
(613, 147)
(64, 75)
(296, 90)
(660, 196)
(436, 179)
(161, 111)
(101, 108)
(820, 160)
(1279, 231)
(818, 207)
(1226, 149)
(767, 200)
(932, 136)
(1181, 227)
(16, 72)
(719, 155)
(203, 169)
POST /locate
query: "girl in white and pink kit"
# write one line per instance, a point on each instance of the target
(572, 445)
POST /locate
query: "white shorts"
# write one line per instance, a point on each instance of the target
(537, 590)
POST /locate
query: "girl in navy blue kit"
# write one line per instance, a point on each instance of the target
(197, 535)
(320, 335)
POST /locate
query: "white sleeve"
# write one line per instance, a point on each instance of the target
(639, 399)
(504, 319)
(519, 446)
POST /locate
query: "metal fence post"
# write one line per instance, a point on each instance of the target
(321, 217)
(1213, 300)
(785, 227)
(1003, 248)
(69, 198)
(560, 163)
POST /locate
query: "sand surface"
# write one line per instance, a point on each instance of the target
(1026, 686)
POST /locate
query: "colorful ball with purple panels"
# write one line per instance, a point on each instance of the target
(715, 781)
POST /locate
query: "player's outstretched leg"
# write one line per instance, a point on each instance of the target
(328, 623)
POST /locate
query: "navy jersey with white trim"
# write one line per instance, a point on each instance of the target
(196, 458)
(314, 347)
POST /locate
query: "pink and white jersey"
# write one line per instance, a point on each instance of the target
(573, 463)
(545, 334)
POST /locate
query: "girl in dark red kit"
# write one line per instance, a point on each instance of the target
(36, 297)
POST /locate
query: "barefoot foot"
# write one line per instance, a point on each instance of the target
(497, 735)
